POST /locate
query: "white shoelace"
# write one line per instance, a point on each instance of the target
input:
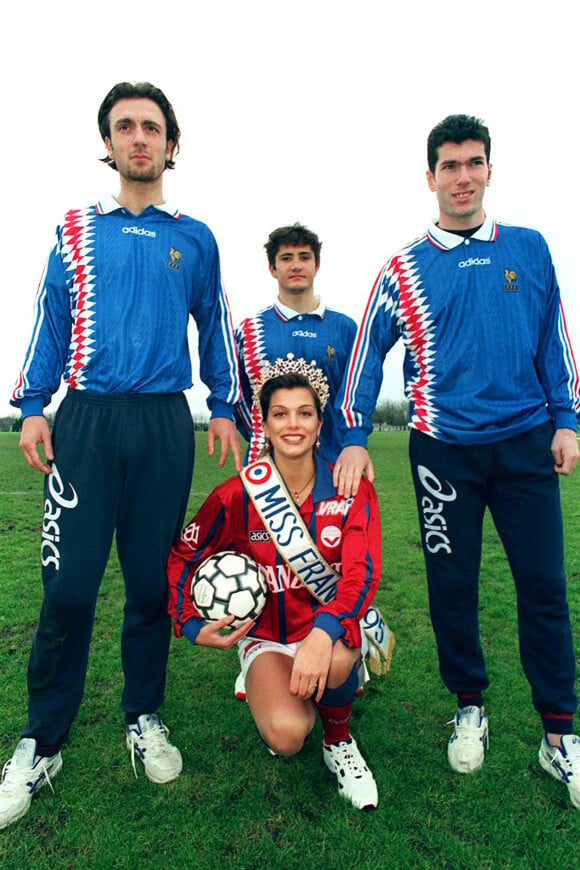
(155, 739)
(13, 776)
(465, 732)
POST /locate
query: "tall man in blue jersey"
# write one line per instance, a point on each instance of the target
(494, 396)
(299, 323)
(112, 313)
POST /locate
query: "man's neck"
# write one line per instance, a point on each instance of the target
(302, 303)
(461, 226)
(136, 196)
(465, 233)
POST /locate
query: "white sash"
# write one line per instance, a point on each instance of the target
(279, 513)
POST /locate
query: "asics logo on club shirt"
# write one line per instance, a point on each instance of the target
(139, 231)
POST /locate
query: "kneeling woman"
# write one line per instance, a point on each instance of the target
(299, 656)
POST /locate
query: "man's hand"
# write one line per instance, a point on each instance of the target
(211, 633)
(565, 451)
(348, 470)
(223, 430)
(35, 431)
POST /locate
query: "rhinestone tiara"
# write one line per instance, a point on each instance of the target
(315, 376)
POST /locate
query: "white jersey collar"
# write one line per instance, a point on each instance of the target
(446, 241)
(109, 204)
(290, 313)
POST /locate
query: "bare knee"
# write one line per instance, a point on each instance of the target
(343, 661)
(286, 735)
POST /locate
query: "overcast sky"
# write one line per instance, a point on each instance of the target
(315, 110)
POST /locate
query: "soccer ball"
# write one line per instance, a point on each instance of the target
(229, 584)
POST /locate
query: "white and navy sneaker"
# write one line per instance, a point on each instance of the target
(147, 739)
(469, 740)
(240, 688)
(22, 776)
(355, 781)
(563, 764)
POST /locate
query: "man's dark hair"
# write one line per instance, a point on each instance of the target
(288, 381)
(456, 128)
(139, 91)
(296, 235)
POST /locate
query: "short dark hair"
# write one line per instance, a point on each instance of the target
(456, 128)
(287, 382)
(294, 235)
(139, 91)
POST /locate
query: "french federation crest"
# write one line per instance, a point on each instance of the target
(511, 281)
(330, 357)
(174, 259)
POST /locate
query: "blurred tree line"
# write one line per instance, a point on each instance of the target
(389, 414)
(13, 423)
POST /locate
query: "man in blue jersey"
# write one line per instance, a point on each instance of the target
(112, 313)
(494, 396)
(298, 323)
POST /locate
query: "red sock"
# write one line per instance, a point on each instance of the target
(335, 722)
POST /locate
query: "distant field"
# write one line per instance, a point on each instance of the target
(235, 806)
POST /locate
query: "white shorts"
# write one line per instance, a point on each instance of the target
(250, 648)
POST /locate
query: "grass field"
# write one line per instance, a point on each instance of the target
(236, 807)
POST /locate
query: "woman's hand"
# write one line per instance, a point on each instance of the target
(211, 633)
(311, 665)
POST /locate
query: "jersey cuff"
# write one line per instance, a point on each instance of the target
(221, 409)
(330, 624)
(192, 628)
(565, 420)
(32, 407)
(355, 437)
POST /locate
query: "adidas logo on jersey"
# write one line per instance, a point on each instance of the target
(139, 231)
(474, 261)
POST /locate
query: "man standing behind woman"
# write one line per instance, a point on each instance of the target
(299, 323)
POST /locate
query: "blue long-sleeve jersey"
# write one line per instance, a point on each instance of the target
(113, 306)
(324, 335)
(487, 351)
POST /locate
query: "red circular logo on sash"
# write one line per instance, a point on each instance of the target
(258, 472)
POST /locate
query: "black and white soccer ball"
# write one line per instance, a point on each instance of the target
(229, 584)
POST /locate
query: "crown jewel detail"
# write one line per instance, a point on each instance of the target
(315, 376)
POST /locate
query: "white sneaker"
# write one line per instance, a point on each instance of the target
(563, 764)
(22, 776)
(355, 781)
(469, 740)
(240, 687)
(147, 739)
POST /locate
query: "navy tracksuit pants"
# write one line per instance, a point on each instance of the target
(516, 480)
(122, 466)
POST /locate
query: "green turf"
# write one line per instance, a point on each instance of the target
(236, 807)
